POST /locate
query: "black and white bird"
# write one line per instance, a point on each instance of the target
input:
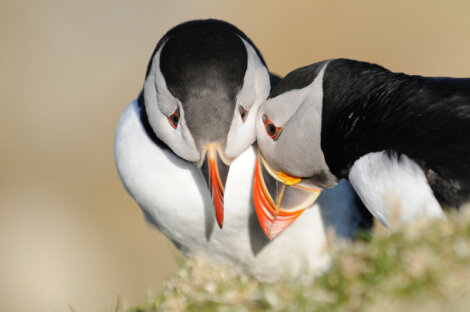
(402, 141)
(189, 136)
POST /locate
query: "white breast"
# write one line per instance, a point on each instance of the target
(395, 190)
(174, 197)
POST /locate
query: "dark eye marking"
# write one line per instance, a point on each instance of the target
(174, 118)
(271, 129)
(243, 112)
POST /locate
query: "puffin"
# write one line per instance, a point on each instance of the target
(184, 150)
(402, 141)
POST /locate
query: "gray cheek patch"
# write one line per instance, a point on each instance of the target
(300, 142)
(159, 104)
(281, 108)
(298, 149)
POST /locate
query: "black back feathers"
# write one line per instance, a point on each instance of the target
(367, 108)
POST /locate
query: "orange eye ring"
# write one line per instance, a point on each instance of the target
(243, 113)
(271, 130)
(174, 118)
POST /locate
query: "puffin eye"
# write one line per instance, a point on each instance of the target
(243, 112)
(174, 118)
(272, 131)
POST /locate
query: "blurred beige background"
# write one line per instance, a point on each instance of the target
(69, 233)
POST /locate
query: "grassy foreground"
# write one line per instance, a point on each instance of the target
(422, 267)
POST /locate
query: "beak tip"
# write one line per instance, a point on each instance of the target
(269, 236)
(215, 181)
(220, 223)
(219, 211)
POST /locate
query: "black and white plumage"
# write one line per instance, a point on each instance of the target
(206, 71)
(403, 141)
(206, 79)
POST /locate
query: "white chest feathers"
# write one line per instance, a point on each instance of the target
(174, 197)
(394, 189)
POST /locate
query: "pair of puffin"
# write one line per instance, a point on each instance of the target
(402, 141)
(184, 150)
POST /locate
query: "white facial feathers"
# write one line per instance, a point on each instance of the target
(255, 90)
(281, 108)
(160, 104)
(297, 151)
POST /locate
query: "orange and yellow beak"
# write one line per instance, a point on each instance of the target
(279, 198)
(215, 168)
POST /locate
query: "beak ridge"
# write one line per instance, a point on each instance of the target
(215, 172)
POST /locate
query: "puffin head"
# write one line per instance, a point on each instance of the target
(290, 169)
(204, 84)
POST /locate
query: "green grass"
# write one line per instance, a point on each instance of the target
(422, 267)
